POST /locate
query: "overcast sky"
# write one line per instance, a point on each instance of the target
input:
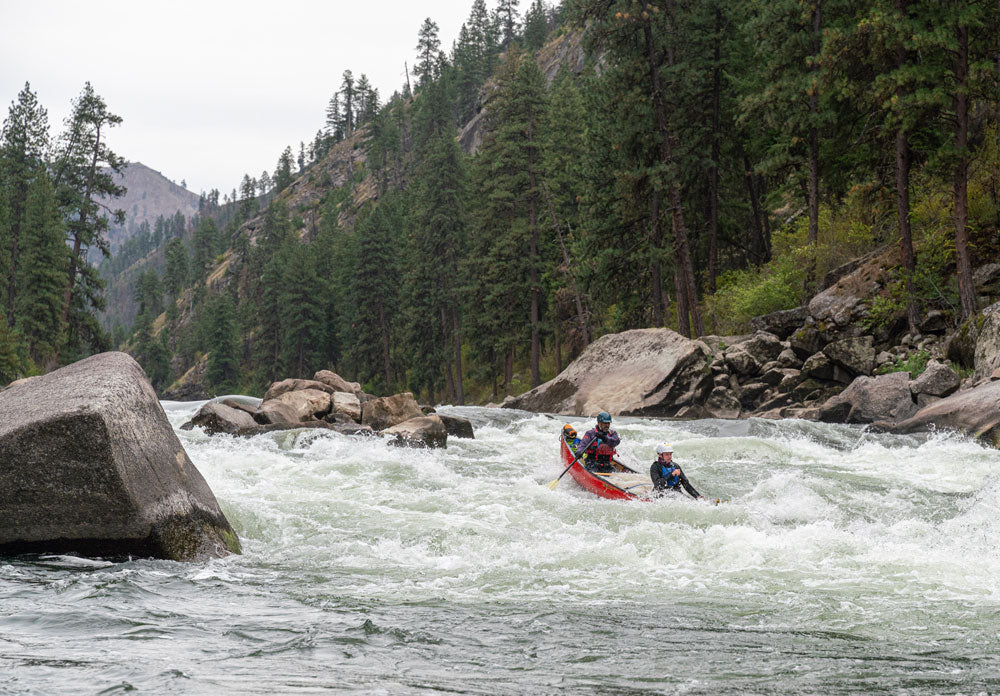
(211, 90)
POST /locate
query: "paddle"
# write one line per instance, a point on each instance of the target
(552, 484)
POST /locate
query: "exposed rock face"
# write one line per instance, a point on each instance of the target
(841, 305)
(287, 385)
(422, 431)
(936, 380)
(457, 426)
(782, 324)
(347, 404)
(306, 404)
(857, 355)
(220, 418)
(654, 372)
(868, 399)
(975, 412)
(389, 411)
(987, 352)
(191, 385)
(91, 465)
(336, 382)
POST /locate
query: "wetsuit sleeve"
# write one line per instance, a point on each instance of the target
(659, 482)
(587, 441)
(688, 487)
(612, 439)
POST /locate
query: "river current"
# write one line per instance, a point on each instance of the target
(842, 562)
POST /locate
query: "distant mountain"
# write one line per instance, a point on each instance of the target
(149, 195)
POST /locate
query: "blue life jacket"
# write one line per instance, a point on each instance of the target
(672, 481)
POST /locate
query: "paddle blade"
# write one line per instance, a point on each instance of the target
(552, 484)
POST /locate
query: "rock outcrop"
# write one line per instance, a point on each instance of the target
(653, 372)
(975, 412)
(91, 465)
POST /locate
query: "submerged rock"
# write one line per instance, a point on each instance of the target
(91, 465)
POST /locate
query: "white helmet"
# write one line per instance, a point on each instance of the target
(662, 448)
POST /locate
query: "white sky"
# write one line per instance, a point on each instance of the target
(211, 90)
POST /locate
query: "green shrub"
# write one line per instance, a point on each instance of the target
(914, 363)
(744, 294)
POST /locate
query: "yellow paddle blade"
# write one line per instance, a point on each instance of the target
(552, 484)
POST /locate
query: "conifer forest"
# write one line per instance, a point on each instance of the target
(561, 172)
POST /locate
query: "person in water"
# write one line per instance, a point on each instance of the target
(599, 443)
(667, 476)
(569, 433)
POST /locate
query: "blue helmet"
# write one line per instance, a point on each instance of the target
(603, 417)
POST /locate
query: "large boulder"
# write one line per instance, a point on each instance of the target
(857, 355)
(304, 405)
(782, 324)
(346, 403)
(868, 399)
(89, 464)
(422, 431)
(457, 426)
(287, 385)
(936, 380)
(986, 356)
(336, 382)
(654, 372)
(975, 412)
(388, 411)
(216, 417)
(838, 309)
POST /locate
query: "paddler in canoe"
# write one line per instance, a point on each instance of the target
(598, 445)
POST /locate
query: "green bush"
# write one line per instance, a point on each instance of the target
(914, 363)
(744, 294)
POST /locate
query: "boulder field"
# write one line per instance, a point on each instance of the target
(90, 464)
(823, 361)
(327, 401)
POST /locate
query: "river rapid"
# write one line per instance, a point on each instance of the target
(843, 562)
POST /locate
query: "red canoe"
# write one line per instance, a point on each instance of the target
(619, 485)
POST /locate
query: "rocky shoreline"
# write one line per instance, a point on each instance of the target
(826, 361)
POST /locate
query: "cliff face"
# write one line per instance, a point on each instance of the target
(149, 195)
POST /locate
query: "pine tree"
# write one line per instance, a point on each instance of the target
(84, 171)
(42, 273)
(536, 26)
(24, 142)
(349, 93)
(428, 47)
(222, 370)
(506, 20)
(283, 172)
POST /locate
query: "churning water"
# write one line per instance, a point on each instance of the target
(843, 562)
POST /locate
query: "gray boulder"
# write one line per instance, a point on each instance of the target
(722, 403)
(741, 361)
(389, 411)
(287, 385)
(782, 324)
(856, 355)
(347, 404)
(654, 372)
(336, 382)
(303, 404)
(457, 426)
(91, 465)
(868, 399)
(422, 431)
(936, 380)
(219, 418)
(975, 412)
(986, 355)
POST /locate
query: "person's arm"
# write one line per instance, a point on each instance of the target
(654, 474)
(586, 442)
(612, 439)
(687, 485)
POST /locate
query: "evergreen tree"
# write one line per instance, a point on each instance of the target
(536, 26)
(84, 172)
(24, 142)
(349, 94)
(334, 119)
(506, 21)
(283, 172)
(428, 48)
(205, 243)
(41, 274)
(222, 370)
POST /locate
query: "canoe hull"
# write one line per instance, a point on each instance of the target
(598, 485)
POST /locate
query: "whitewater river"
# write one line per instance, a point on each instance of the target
(843, 562)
